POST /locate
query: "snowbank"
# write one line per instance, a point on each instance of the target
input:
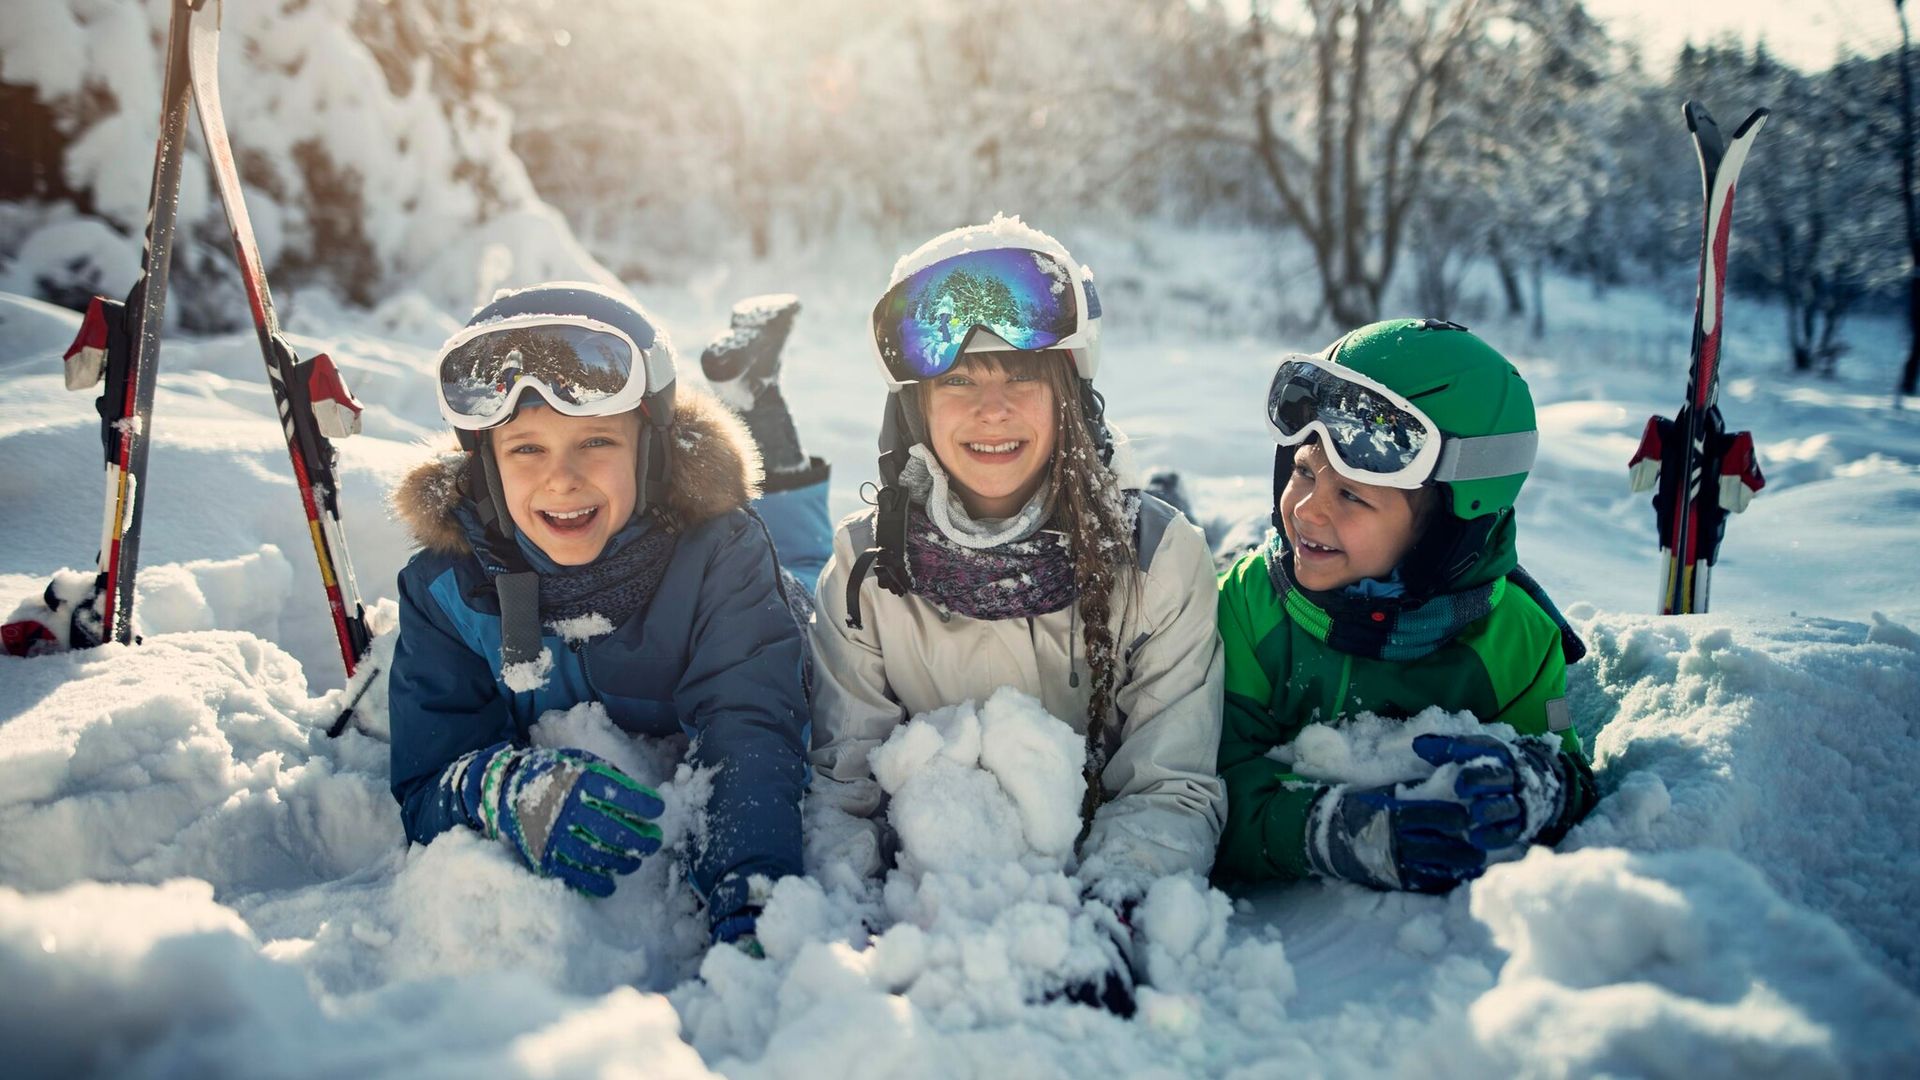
(198, 880)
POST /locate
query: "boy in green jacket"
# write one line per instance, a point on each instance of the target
(1391, 585)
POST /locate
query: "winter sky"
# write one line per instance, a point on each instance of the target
(1807, 33)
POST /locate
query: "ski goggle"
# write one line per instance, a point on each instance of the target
(1376, 436)
(1025, 298)
(580, 366)
(1370, 433)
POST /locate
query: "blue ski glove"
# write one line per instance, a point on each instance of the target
(568, 813)
(742, 931)
(1373, 837)
(1515, 793)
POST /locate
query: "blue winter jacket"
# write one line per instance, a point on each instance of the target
(715, 655)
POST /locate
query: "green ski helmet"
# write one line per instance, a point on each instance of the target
(1459, 383)
(1464, 386)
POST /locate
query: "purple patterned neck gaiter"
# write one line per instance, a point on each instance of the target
(1016, 580)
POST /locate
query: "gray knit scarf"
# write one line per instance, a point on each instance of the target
(618, 585)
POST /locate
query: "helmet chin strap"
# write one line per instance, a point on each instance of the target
(1095, 408)
(653, 470)
(888, 556)
(1450, 546)
(494, 514)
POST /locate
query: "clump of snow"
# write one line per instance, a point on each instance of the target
(526, 676)
(1372, 751)
(1787, 746)
(1002, 230)
(583, 628)
(756, 311)
(117, 969)
(166, 981)
(246, 593)
(983, 786)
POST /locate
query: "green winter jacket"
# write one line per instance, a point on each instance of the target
(1507, 667)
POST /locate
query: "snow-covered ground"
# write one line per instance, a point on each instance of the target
(194, 880)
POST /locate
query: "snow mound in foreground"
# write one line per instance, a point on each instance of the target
(1791, 743)
(142, 980)
(195, 880)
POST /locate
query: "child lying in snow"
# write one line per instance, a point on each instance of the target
(1004, 553)
(591, 542)
(1391, 585)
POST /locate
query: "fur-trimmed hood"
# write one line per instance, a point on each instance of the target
(716, 468)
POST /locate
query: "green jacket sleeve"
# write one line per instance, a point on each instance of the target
(1265, 833)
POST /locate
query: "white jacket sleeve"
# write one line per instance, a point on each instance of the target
(1165, 802)
(853, 711)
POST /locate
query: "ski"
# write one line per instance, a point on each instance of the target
(128, 360)
(313, 403)
(1676, 457)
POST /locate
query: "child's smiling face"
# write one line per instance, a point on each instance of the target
(1341, 530)
(991, 424)
(569, 480)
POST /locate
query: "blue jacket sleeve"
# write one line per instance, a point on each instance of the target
(442, 702)
(741, 697)
(802, 532)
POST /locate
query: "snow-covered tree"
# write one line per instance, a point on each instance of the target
(372, 162)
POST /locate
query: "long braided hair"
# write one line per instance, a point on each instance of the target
(1085, 503)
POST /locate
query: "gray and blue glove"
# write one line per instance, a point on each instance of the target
(1373, 837)
(1515, 793)
(568, 813)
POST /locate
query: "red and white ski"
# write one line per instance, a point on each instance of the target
(1700, 470)
(313, 402)
(129, 361)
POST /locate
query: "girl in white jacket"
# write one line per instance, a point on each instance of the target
(1004, 552)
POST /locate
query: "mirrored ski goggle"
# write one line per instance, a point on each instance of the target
(1028, 299)
(1376, 436)
(1371, 434)
(581, 366)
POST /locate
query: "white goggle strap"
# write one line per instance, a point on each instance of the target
(1484, 457)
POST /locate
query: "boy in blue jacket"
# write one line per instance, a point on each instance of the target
(592, 542)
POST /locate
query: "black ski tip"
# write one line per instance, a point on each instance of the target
(1753, 120)
(1698, 117)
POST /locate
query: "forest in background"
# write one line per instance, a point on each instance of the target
(1399, 145)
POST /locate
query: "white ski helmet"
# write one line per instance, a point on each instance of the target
(1005, 231)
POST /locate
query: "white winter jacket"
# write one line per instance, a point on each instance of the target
(1164, 803)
